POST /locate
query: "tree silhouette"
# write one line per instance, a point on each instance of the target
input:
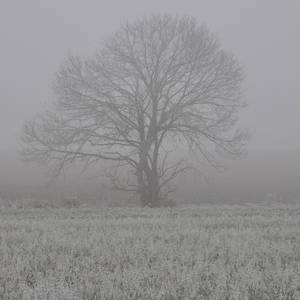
(157, 83)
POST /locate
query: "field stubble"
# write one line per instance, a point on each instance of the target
(217, 252)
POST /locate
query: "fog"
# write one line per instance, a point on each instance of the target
(36, 37)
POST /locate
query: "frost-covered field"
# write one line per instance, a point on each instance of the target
(193, 253)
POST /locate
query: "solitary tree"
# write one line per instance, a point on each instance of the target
(158, 82)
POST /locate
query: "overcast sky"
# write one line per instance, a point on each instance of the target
(36, 36)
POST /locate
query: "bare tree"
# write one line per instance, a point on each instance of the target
(159, 82)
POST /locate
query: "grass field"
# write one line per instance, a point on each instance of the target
(216, 252)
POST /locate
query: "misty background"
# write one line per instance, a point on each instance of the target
(36, 37)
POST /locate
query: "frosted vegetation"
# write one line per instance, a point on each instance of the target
(217, 252)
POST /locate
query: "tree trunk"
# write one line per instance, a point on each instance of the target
(148, 188)
(154, 194)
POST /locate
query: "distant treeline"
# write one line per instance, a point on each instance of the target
(262, 176)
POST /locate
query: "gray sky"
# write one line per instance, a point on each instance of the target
(35, 37)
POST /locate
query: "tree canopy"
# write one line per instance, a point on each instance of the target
(156, 83)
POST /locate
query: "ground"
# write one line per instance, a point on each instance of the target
(211, 252)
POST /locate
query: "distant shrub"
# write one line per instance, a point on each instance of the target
(169, 203)
(71, 202)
